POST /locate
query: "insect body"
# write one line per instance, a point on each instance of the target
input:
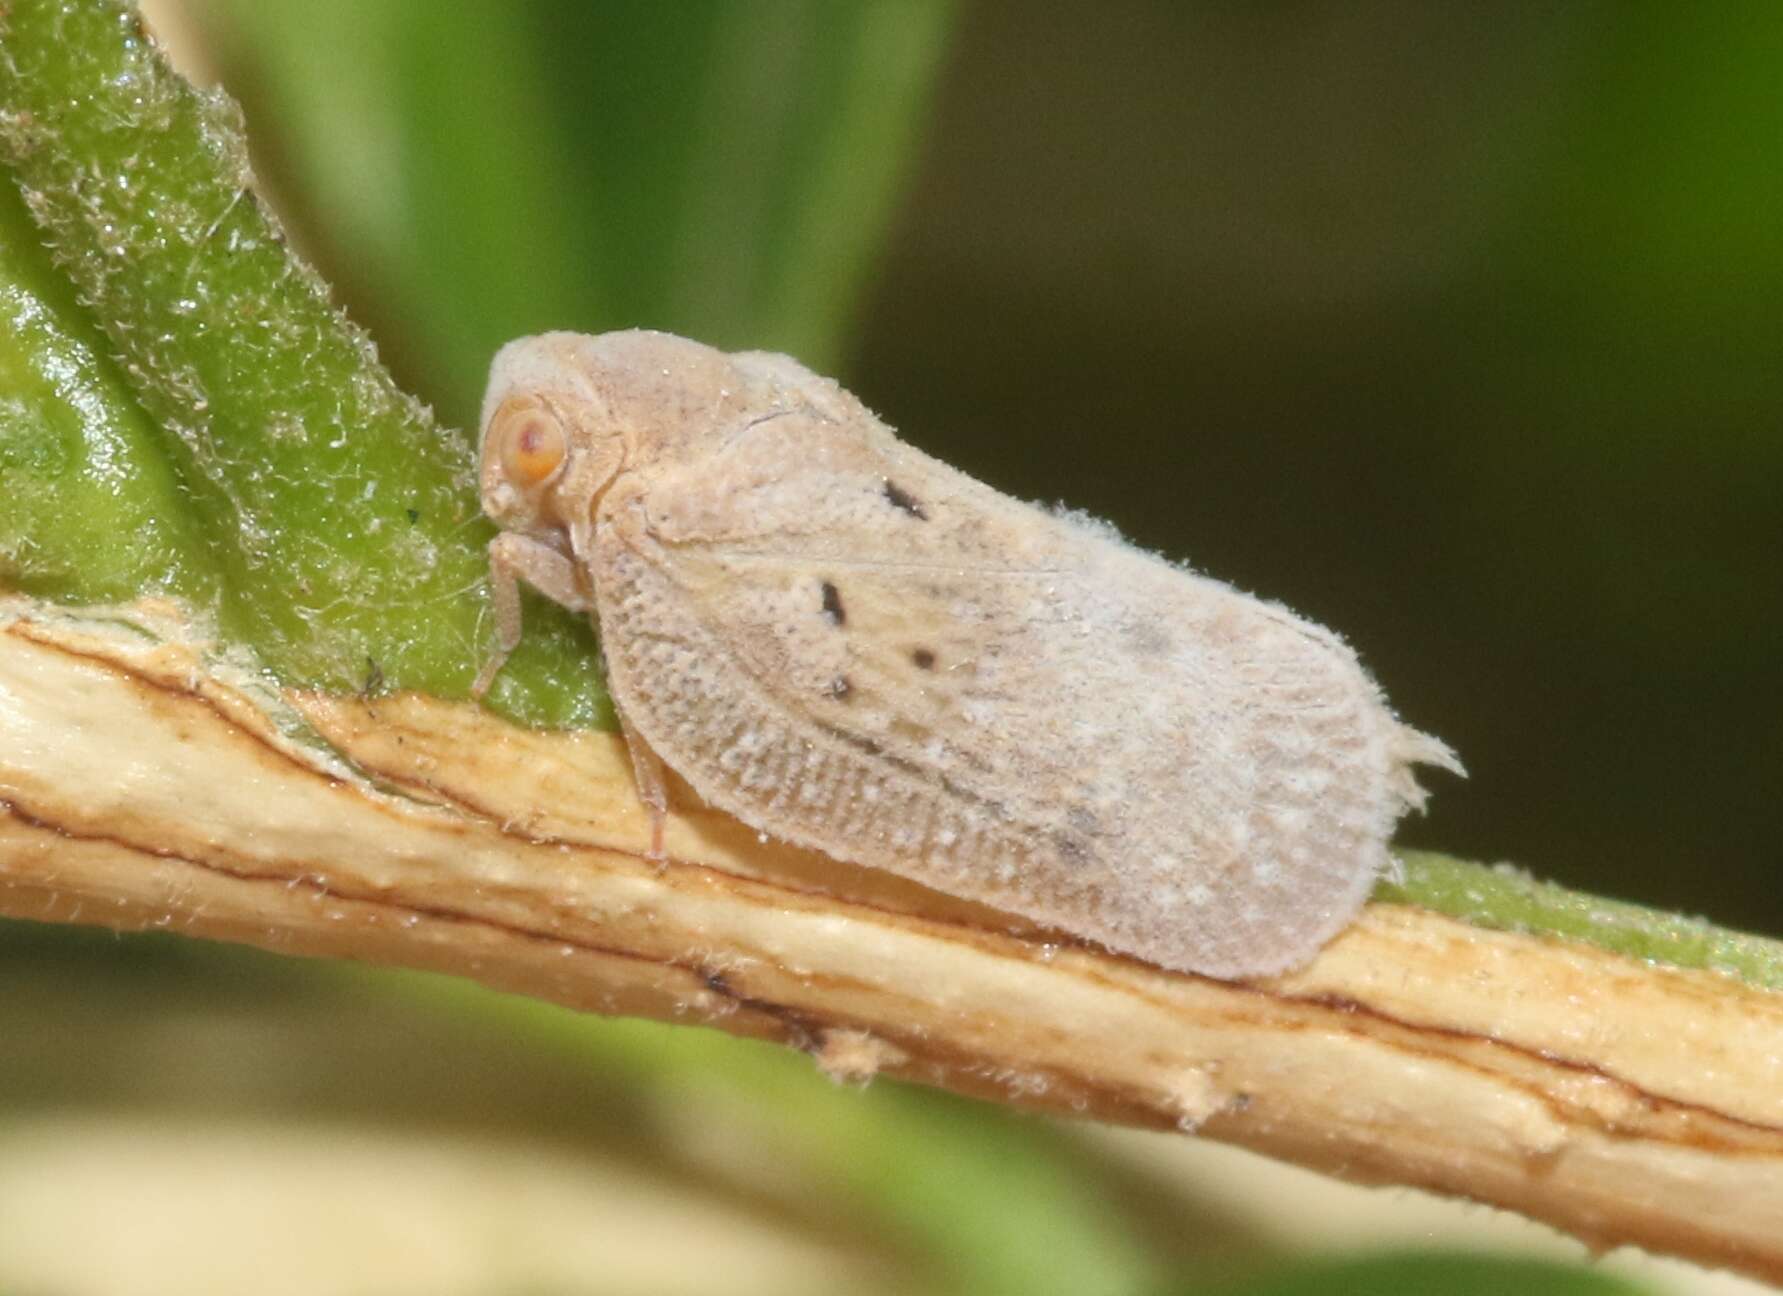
(852, 646)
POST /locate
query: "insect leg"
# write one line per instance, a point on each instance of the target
(653, 788)
(513, 558)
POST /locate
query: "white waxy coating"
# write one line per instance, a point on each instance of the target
(852, 646)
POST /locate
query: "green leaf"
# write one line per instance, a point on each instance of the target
(1508, 899)
(92, 508)
(1428, 1274)
(337, 521)
(257, 459)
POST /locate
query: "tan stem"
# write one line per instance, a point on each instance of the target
(145, 784)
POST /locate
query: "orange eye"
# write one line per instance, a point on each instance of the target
(530, 440)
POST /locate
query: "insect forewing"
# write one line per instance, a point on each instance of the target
(854, 647)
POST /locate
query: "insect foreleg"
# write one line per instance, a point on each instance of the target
(513, 558)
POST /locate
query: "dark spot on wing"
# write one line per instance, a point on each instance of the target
(832, 605)
(897, 497)
(1071, 849)
(1084, 821)
(924, 659)
(840, 688)
(1147, 638)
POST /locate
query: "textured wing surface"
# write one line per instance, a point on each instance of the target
(852, 646)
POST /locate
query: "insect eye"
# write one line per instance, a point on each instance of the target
(531, 443)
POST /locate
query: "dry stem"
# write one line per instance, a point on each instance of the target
(144, 784)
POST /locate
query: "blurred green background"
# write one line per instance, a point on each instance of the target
(1454, 329)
